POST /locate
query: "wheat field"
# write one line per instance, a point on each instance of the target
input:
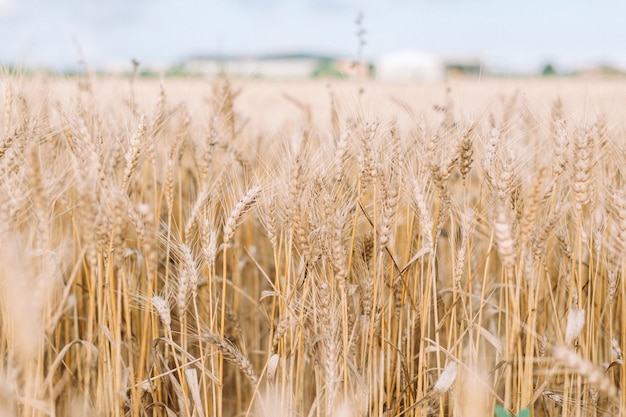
(194, 247)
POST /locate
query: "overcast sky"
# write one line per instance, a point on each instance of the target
(522, 34)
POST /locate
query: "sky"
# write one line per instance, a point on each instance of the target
(519, 35)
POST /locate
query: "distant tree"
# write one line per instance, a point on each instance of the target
(326, 68)
(548, 70)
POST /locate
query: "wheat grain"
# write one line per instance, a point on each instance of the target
(132, 154)
(504, 239)
(583, 153)
(232, 354)
(187, 278)
(162, 309)
(581, 366)
(238, 211)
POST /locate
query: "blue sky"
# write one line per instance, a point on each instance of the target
(507, 34)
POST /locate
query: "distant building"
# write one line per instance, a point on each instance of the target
(409, 66)
(287, 66)
(398, 66)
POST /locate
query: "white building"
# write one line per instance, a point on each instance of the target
(409, 66)
(274, 67)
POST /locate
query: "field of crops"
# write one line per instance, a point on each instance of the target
(194, 247)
